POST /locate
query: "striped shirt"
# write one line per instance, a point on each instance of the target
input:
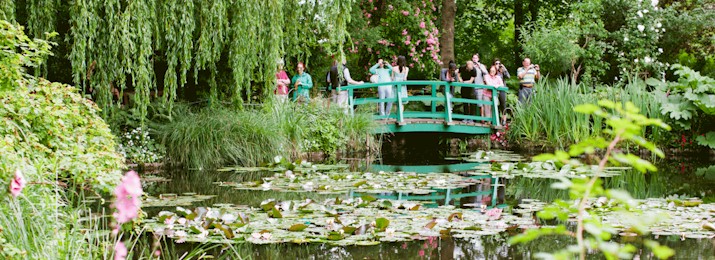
(529, 78)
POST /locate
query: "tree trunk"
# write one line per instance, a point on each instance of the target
(518, 24)
(446, 39)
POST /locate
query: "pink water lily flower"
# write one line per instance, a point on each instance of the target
(120, 251)
(128, 198)
(17, 184)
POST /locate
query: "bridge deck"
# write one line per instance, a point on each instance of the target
(391, 125)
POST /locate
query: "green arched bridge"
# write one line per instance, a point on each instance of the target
(434, 118)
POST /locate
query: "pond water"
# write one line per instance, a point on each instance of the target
(685, 176)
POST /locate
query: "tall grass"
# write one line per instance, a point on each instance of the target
(213, 137)
(549, 121)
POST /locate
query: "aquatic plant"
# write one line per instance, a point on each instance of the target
(624, 124)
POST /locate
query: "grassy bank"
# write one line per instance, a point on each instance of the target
(213, 137)
(550, 122)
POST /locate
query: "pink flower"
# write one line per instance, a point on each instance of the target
(405, 13)
(422, 25)
(412, 65)
(127, 198)
(374, 8)
(404, 245)
(494, 213)
(407, 42)
(368, 15)
(404, 31)
(377, 52)
(120, 251)
(421, 253)
(426, 33)
(390, 7)
(17, 183)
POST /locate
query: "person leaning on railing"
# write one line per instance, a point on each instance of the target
(504, 75)
(468, 74)
(528, 74)
(399, 73)
(493, 80)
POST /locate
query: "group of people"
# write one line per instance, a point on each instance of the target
(472, 72)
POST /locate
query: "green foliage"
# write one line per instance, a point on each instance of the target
(624, 123)
(689, 102)
(138, 147)
(19, 51)
(550, 119)
(486, 27)
(46, 123)
(221, 136)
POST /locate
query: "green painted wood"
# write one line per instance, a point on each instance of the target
(427, 127)
(460, 167)
(447, 114)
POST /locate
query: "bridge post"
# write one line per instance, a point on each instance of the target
(434, 95)
(447, 104)
(495, 108)
(400, 108)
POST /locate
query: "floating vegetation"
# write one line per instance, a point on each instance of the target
(280, 164)
(546, 169)
(491, 156)
(688, 218)
(334, 182)
(359, 221)
(173, 200)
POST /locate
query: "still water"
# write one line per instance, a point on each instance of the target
(686, 175)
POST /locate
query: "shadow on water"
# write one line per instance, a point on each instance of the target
(688, 176)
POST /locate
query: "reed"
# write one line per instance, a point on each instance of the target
(219, 136)
(549, 121)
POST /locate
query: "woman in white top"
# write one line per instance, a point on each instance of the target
(399, 73)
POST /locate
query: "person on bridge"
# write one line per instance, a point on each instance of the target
(302, 82)
(493, 80)
(450, 74)
(282, 82)
(383, 70)
(399, 73)
(468, 74)
(479, 80)
(528, 74)
(504, 75)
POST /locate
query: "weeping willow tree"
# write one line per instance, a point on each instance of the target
(148, 47)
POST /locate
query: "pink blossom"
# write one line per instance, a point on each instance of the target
(369, 1)
(407, 42)
(422, 251)
(405, 13)
(17, 184)
(369, 49)
(377, 52)
(368, 15)
(404, 245)
(417, 12)
(120, 251)
(494, 213)
(127, 198)
(426, 33)
(404, 31)
(422, 25)
(418, 42)
(412, 54)
(390, 7)
(374, 8)
(409, 38)
(412, 65)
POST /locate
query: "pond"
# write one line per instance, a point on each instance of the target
(680, 177)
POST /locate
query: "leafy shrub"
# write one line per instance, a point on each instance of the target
(138, 147)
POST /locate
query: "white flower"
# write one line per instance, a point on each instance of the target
(390, 232)
(654, 3)
(228, 218)
(181, 235)
(640, 14)
(266, 186)
(641, 27)
(635, 60)
(658, 25)
(647, 59)
(645, 11)
(277, 159)
(308, 186)
(625, 39)
(204, 234)
(660, 50)
(256, 235)
(266, 236)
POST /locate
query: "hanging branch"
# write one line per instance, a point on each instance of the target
(7, 10)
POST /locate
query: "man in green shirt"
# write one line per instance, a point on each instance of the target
(302, 83)
(528, 74)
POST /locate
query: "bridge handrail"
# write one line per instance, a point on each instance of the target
(447, 99)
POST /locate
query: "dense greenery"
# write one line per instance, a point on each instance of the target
(55, 142)
(549, 120)
(221, 136)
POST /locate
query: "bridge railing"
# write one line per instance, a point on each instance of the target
(448, 114)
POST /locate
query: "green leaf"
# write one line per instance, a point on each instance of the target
(360, 183)
(586, 108)
(381, 223)
(368, 198)
(349, 230)
(707, 140)
(660, 251)
(275, 213)
(297, 227)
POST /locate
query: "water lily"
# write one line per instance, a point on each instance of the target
(181, 235)
(17, 184)
(494, 213)
(228, 218)
(389, 232)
